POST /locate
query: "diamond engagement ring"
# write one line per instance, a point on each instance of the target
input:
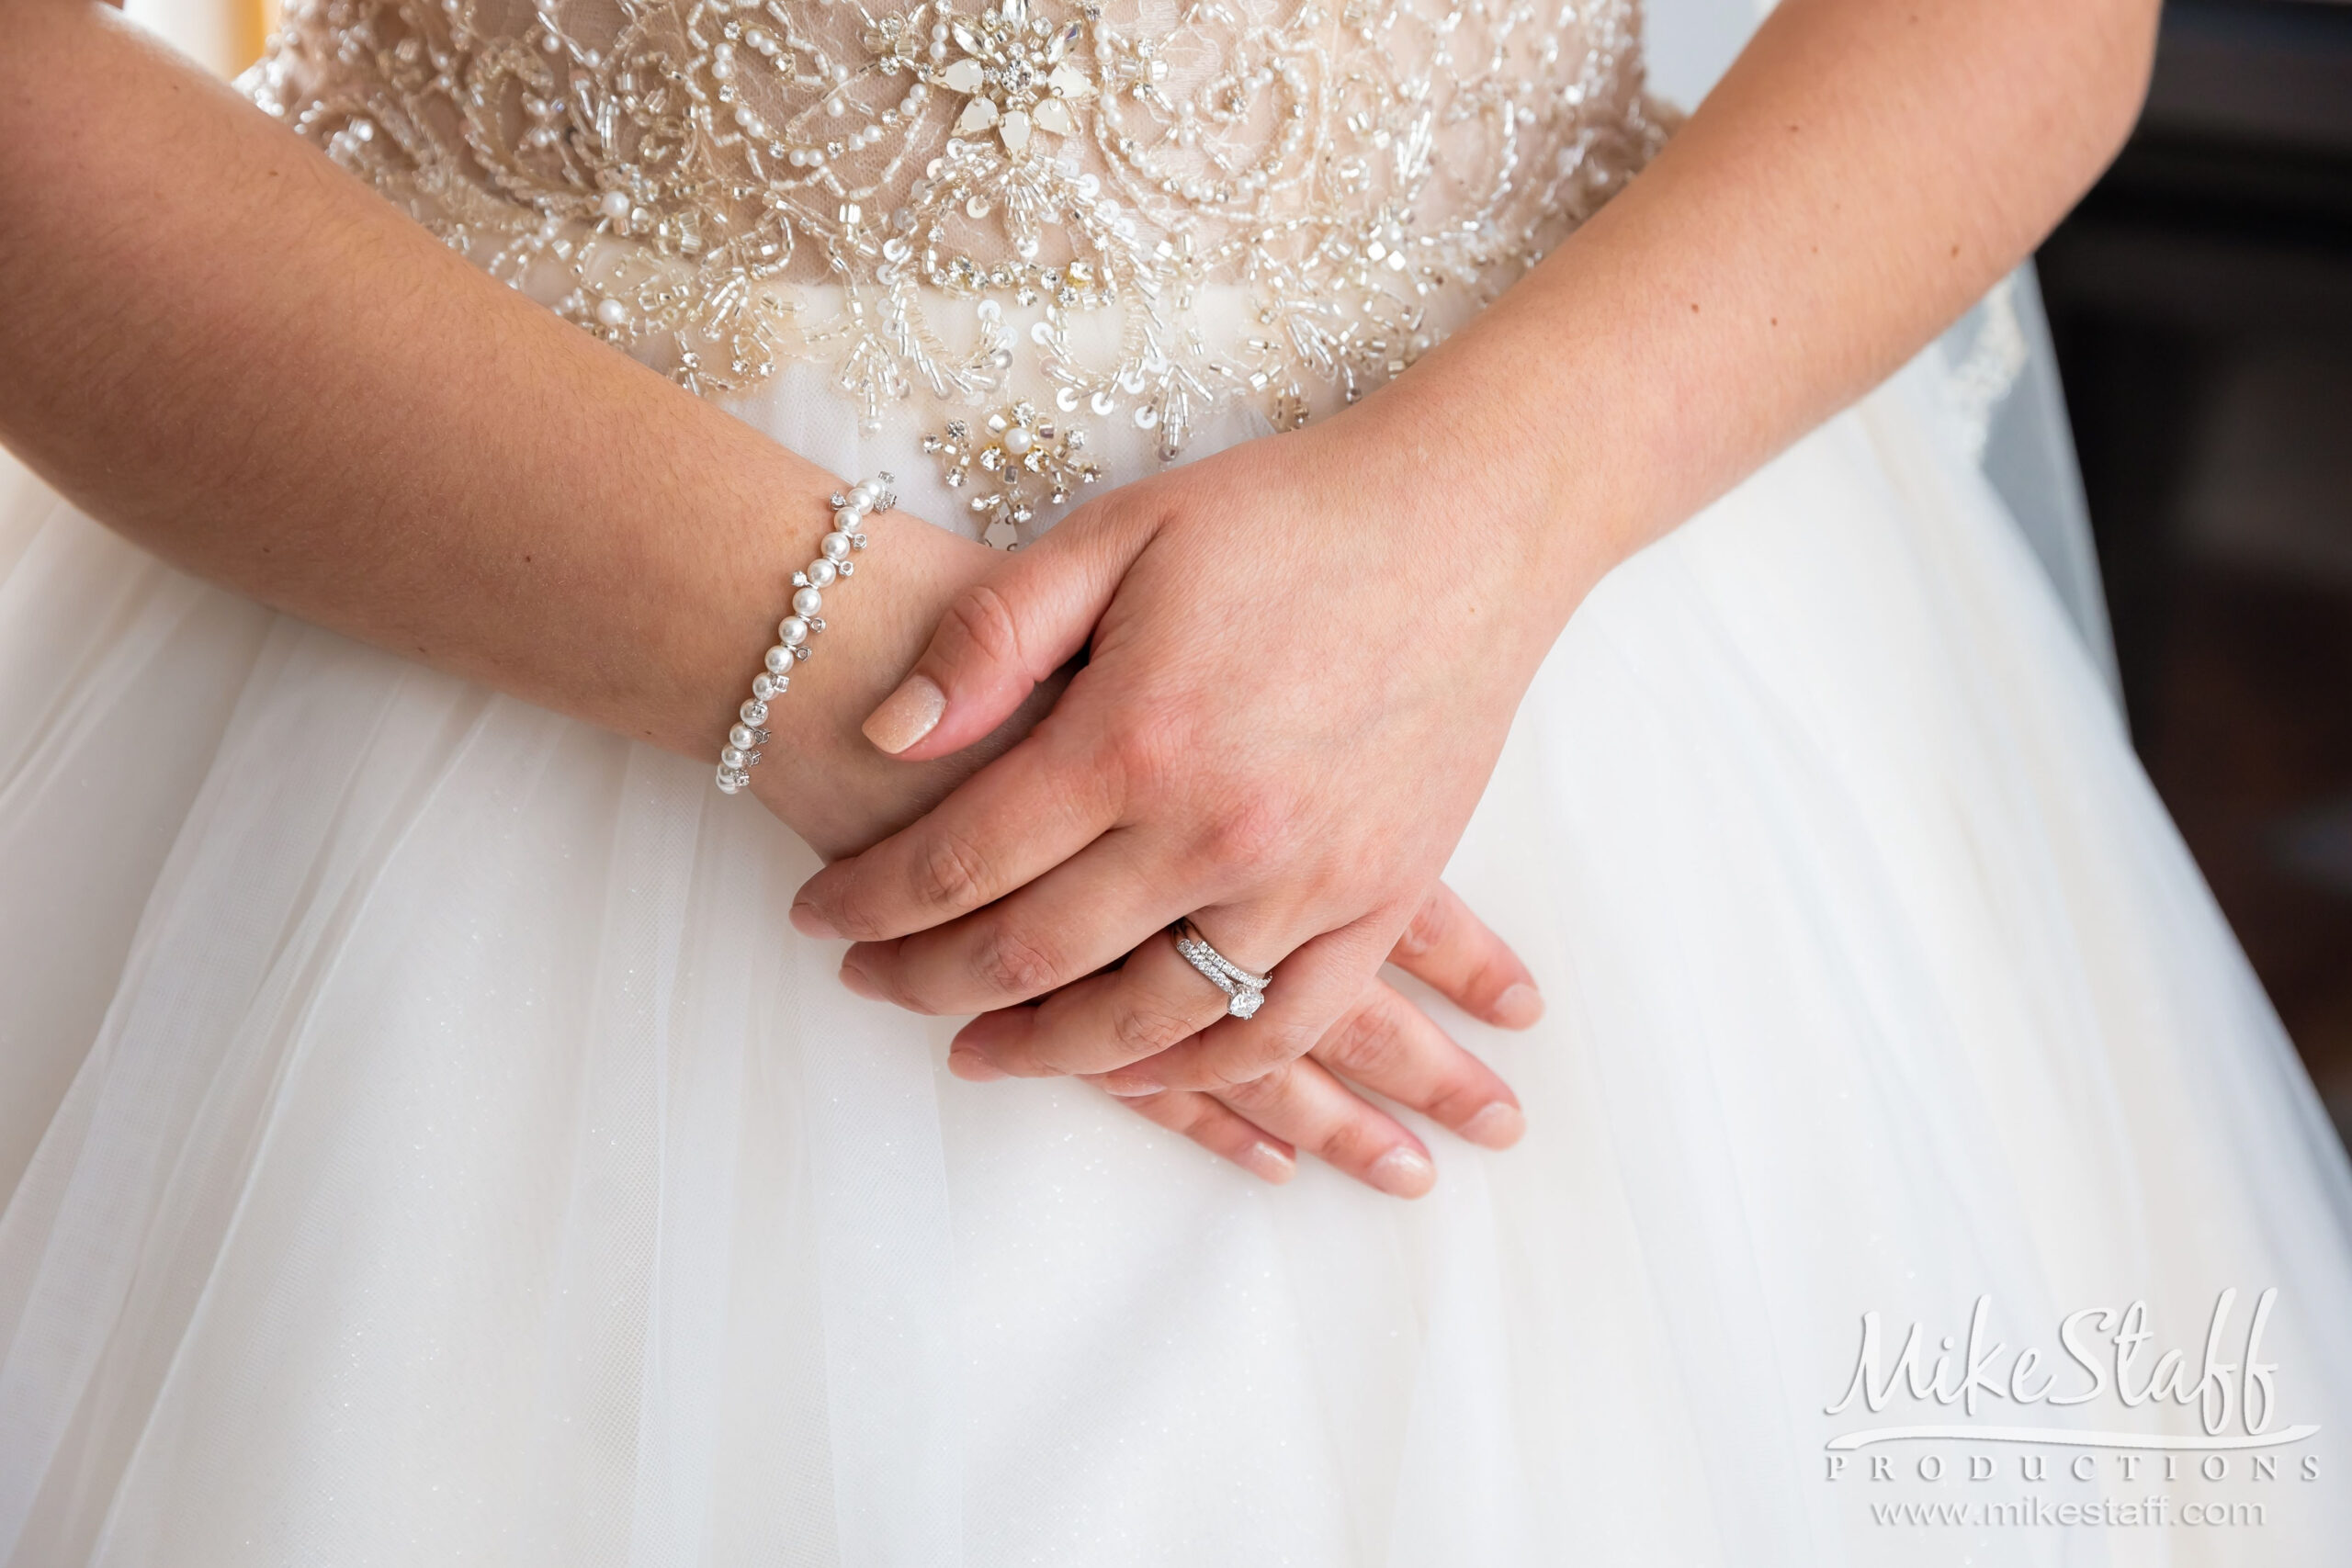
(1244, 993)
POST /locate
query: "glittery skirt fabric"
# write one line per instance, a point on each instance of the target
(424, 1139)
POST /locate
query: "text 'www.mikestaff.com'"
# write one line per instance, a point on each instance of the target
(2031, 1512)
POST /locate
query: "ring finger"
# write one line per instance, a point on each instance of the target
(1153, 1002)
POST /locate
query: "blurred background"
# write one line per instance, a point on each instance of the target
(2200, 300)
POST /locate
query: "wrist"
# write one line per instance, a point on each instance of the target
(1493, 478)
(819, 774)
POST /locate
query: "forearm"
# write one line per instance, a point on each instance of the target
(1866, 170)
(221, 346)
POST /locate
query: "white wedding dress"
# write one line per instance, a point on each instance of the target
(426, 1141)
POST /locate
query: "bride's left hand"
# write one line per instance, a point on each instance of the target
(1383, 1044)
(1304, 656)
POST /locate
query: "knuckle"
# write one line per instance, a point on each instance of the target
(1368, 1043)
(900, 990)
(1141, 754)
(1247, 1086)
(1010, 963)
(1284, 1042)
(1244, 833)
(1457, 1099)
(860, 924)
(1262, 1065)
(951, 873)
(1145, 1028)
(1488, 981)
(1352, 1142)
(985, 624)
(1428, 929)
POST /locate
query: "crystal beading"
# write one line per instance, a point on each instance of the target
(1145, 209)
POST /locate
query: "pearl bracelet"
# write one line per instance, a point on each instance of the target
(851, 509)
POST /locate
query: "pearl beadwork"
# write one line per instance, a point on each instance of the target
(854, 511)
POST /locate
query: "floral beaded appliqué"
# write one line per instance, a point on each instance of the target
(1139, 211)
(1026, 455)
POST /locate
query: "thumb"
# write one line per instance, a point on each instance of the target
(1003, 634)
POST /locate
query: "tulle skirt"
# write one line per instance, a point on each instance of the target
(428, 1142)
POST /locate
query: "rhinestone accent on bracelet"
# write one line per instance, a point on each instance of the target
(852, 510)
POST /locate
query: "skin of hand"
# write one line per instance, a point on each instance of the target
(1285, 740)
(1349, 786)
(227, 350)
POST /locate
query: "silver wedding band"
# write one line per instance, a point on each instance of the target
(1244, 993)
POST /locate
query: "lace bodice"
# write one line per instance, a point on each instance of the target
(1046, 212)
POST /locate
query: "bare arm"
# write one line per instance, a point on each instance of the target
(1865, 170)
(225, 347)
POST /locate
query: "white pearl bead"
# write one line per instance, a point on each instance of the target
(808, 601)
(729, 781)
(848, 518)
(767, 686)
(821, 573)
(612, 313)
(1018, 441)
(793, 631)
(615, 205)
(835, 545)
(742, 735)
(732, 756)
(755, 712)
(779, 660)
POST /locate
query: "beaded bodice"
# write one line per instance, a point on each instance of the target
(1040, 208)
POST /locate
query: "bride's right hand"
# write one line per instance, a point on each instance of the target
(840, 795)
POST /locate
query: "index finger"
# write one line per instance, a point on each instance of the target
(1009, 823)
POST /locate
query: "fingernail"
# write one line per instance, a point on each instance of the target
(1495, 1126)
(857, 980)
(1269, 1163)
(1519, 1007)
(972, 1068)
(1403, 1172)
(808, 922)
(1129, 1086)
(907, 715)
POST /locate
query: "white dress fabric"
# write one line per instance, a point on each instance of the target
(426, 1141)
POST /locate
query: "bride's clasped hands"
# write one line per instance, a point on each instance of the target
(1302, 656)
(839, 793)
